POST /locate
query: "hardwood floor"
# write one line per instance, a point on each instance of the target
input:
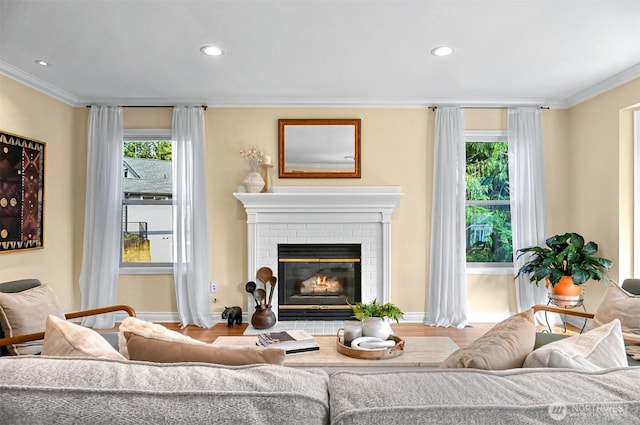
(461, 337)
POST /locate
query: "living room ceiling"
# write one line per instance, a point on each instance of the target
(321, 53)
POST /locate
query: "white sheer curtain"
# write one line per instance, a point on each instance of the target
(447, 278)
(102, 218)
(190, 228)
(526, 180)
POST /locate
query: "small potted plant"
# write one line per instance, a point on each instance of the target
(375, 317)
(565, 263)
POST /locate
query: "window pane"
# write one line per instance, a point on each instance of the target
(487, 175)
(489, 234)
(147, 229)
(147, 169)
(147, 234)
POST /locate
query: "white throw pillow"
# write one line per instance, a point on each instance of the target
(66, 339)
(600, 348)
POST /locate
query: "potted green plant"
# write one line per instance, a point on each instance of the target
(566, 262)
(375, 317)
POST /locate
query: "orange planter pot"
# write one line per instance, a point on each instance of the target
(566, 288)
(565, 293)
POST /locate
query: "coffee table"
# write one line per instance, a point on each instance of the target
(419, 352)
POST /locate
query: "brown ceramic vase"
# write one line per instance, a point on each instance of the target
(263, 318)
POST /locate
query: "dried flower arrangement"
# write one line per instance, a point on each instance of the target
(254, 157)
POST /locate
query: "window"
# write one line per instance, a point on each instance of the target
(147, 211)
(487, 210)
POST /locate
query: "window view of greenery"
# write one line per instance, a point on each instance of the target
(147, 220)
(488, 213)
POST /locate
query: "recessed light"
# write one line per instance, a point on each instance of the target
(442, 51)
(212, 50)
(42, 62)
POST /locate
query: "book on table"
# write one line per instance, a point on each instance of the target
(294, 341)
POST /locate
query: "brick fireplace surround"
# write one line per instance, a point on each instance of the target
(323, 214)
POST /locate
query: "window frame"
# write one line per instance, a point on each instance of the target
(636, 191)
(486, 136)
(142, 268)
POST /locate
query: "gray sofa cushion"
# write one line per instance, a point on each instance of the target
(45, 390)
(471, 396)
(543, 338)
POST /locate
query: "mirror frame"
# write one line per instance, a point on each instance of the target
(282, 142)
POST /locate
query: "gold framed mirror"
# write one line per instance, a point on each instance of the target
(319, 148)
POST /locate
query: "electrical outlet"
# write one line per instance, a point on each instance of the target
(214, 286)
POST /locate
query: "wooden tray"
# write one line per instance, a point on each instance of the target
(387, 353)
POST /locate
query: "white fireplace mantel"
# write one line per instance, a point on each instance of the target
(311, 214)
(322, 199)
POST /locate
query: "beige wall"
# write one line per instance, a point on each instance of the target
(397, 149)
(599, 157)
(581, 150)
(33, 115)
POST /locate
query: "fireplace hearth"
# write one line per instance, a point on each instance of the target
(318, 281)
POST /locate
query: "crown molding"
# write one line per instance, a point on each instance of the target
(603, 86)
(70, 99)
(333, 103)
(37, 84)
(338, 103)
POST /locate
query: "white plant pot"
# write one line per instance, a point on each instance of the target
(253, 182)
(378, 327)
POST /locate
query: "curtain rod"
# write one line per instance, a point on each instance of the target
(433, 108)
(151, 106)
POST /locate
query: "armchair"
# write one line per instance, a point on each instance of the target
(13, 320)
(631, 286)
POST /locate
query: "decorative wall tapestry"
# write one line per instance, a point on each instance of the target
(21, 193)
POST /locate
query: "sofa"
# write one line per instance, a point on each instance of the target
(159, 376)
(55, 390)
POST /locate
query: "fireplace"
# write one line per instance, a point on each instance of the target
(318, 281)
(321, 215)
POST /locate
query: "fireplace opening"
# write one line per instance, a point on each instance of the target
(318, 281)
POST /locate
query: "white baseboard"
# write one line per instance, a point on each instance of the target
(488, 317)
(165, 316)
(413, 317)
(410, 317)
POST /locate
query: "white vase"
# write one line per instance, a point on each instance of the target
(253, 182)
(378, 327)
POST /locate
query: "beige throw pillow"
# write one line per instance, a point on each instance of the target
(66, 339)
(620, 304)
(597, 349)
(161, 351)
(23, 313)
(140, 340)
(504, 346)
(136, 326)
